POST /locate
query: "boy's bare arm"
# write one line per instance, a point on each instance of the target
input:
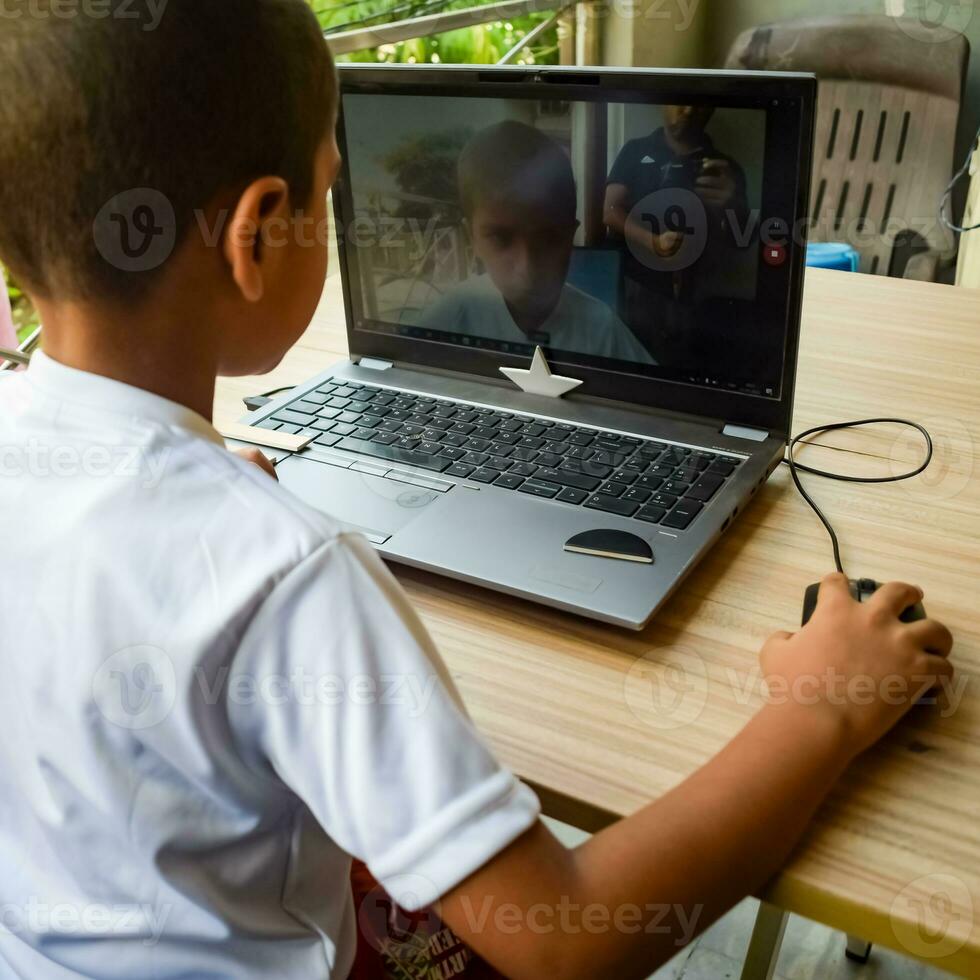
(627, 900)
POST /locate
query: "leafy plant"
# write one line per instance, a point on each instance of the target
(483, 44)
(25, 316)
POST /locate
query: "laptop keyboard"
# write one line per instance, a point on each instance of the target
(644, 479)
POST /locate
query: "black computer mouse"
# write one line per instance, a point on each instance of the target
(862, 590)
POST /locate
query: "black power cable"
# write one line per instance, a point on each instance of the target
(944, 206)
(796, 468)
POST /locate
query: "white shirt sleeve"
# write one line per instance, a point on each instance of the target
(354, 710)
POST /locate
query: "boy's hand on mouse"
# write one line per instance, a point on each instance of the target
(857, 664)
(259, 459)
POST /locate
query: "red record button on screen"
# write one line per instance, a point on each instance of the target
(774, 254)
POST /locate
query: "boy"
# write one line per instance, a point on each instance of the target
(191, 750)
(518, 194)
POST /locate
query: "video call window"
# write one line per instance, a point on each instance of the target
(622, 232)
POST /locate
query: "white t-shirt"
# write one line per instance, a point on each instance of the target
(579, 323)
(212, 697)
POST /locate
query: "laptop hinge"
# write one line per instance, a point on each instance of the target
(375, 364)
(744, 432)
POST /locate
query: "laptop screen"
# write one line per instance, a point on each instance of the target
(637, 237)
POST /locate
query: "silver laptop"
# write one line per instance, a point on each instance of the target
(628, 245)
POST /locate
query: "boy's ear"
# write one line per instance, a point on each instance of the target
(259, 223)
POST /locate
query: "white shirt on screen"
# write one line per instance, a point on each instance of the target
(579, 323)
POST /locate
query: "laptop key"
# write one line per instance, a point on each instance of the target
(637, 495)
(686, 474)
(651, 514)
(508, 482)
(460, 470)
(612, 505)
(651, 483)
(324, 425)
(305, 405)
(476, 459)
(295, 418)
(723, 467)
(681, 517)
(538, 489)
(705, 488)
(327, 440)
(269, 424)
(572, 496)
(452, 453)
(484, 476)
(396, 455)
(523, 469)
(567, 478)
(361, 433)
(612, 489)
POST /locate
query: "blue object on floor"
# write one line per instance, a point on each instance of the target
(832, 255)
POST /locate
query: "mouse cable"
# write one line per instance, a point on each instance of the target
(945, 207)
(796, 468)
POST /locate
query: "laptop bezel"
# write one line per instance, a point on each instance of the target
(769, 414)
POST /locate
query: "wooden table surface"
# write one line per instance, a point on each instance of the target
(602, 721)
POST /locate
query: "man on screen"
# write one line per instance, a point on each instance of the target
(680, 156)
(518, 195)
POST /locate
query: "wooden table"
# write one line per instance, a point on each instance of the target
(602, 721)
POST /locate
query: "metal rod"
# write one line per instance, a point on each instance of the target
(534, 34)
(14, 357)
(346, 42)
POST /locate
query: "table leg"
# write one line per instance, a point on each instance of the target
(764, 946)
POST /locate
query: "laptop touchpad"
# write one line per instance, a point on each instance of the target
(367, 503)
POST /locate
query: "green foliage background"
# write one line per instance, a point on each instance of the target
(484, 44)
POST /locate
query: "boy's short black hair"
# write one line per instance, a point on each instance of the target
(513, 161)
(212, 95)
